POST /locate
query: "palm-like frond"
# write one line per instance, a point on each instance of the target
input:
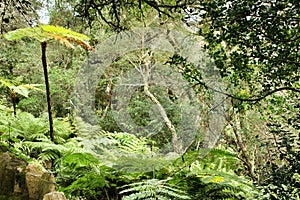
(35, 33)
(22, 89)
(44, 33)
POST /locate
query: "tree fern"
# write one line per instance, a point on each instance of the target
(22, 89)
(45, 33)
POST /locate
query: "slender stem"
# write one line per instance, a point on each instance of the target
(44, 61)
(14, 101)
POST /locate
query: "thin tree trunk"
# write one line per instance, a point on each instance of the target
(109, 96)
(14, 101)
(44, 61)
(240, 144)
(165, 118)
(161, 109)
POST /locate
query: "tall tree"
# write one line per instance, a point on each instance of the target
(255, 45)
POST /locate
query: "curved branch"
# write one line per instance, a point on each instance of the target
(253, 99)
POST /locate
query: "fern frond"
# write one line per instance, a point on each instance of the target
(35, 33)
(48, 155)
(57, 30)
(62, 40)
(77, 160)
(22, 89)
(153, 189)
(66, 36)
(44, 33)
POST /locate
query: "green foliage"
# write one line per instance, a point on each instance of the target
(90, 185)
(153, 189)
(44, 33)
(62, 80)
(29, 136)
(254, 45)
(22, 89)
(35, 33)
(27, 127)
(210, 190)
(252, 41)
(125, 151)
(73, 165)
(280, 178)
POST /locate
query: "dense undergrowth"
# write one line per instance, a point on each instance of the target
(82, 173)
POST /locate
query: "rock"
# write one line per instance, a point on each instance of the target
(22, 181)
(54, 196)
(38, 182)
(12, 176)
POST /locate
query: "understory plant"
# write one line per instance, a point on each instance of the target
(153, 189)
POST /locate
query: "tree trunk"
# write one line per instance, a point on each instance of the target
(14, 101)
(165, 118)
(44, 61)
(109, 97)
(160, 108)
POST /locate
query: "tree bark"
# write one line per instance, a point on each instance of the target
(44, 61)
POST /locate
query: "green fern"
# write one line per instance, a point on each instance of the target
(129, 143)
(152, 189)
(44, 33)
(200, 190)
(125, 151)
(45, 151)
(24, 126)
(88, 186)
(22, 89)
(29, 128)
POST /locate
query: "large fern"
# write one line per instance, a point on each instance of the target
(29, 128)
(200, 190)
(126, 152)
(153, 189)
(213, 177)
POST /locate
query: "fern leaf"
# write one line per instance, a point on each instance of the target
(153, 189)
(44, 33)
(66, 36)
(62, 40)
(35, 33)
(57, 30)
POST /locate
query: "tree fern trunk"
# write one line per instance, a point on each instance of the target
(44, 61)
(14, 101)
